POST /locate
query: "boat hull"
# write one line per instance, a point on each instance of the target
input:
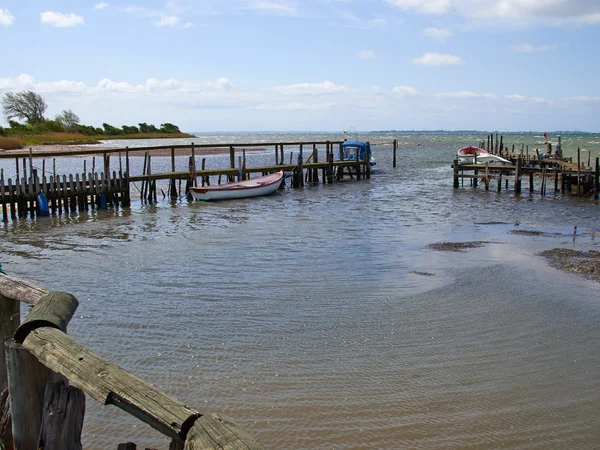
(254, 187)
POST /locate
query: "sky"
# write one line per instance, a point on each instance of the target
(309, 65)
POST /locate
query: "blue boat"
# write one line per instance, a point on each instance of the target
(364, 151)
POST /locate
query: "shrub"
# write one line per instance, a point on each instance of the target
(8, 143)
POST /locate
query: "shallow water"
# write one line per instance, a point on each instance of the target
(301, 314)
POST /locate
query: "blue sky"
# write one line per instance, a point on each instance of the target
(320, 65)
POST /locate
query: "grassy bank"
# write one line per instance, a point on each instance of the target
(53, 138)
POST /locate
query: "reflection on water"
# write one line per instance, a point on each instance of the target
(301, 314)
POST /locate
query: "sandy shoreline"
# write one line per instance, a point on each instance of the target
(57, 149)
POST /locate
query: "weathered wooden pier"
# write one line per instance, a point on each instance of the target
(102, 188)
(44, 374)
(568, 177)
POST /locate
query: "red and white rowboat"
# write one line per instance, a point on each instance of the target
(254, 187)
(470, 154)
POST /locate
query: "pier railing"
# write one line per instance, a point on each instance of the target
(44, 373)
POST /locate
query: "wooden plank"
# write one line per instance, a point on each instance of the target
(12, 288)
(62, 417)
(217, 431)
(108, 383)
(3, 198)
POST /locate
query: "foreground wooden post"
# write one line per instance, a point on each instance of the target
(62, 420)
(395, 146)
(10, 318)
(27, 379)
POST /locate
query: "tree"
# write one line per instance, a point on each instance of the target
(68, 119)
(169, 128)
(24, 105)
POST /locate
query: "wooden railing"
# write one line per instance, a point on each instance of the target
(38, 362)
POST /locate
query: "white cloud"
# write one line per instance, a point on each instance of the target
(540, 12)
(23, 81)
(187, 25)
(325, 88)
(367, 54)
(101, 5)
(459, 94)
(167, 21)
(295, 107)
(438, 59)
(6, 18)
(425, 6)
(439, 34)
(405, 91)
(60, 20)
(362, 23)
(515, 97)
(527, 48)
(274, 7)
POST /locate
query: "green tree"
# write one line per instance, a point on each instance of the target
(68, 119)
(169, 128)
(24, 105)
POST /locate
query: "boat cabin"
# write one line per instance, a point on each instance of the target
(349, 151)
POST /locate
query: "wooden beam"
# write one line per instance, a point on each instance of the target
(217, 431)
(109, 384)
(23, 291)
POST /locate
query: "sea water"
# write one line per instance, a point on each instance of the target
(321, 318)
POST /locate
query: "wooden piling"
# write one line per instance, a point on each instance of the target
(455, 169)
(579, 190)
(62, 417)
(27, 379)
(597, 179)
(395, 147)
(518, 177)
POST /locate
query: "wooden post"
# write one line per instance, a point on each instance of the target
(10, 319)
(455, 168)
(329, 166)
(597, 178)
(27, 379)
(578, 171)
(173, 184)
(395, 147)
(518, 176)
(231, 161)
(3, 205)
(499, 181)
(487, 176)
(301, 167)
(62, 419)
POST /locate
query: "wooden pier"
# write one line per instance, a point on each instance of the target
(101, 188)
(564, 175)
(44, 374)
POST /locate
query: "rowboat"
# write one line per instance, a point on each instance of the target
(254, 187)
(470, 155)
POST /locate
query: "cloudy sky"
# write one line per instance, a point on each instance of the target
(320, 65)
